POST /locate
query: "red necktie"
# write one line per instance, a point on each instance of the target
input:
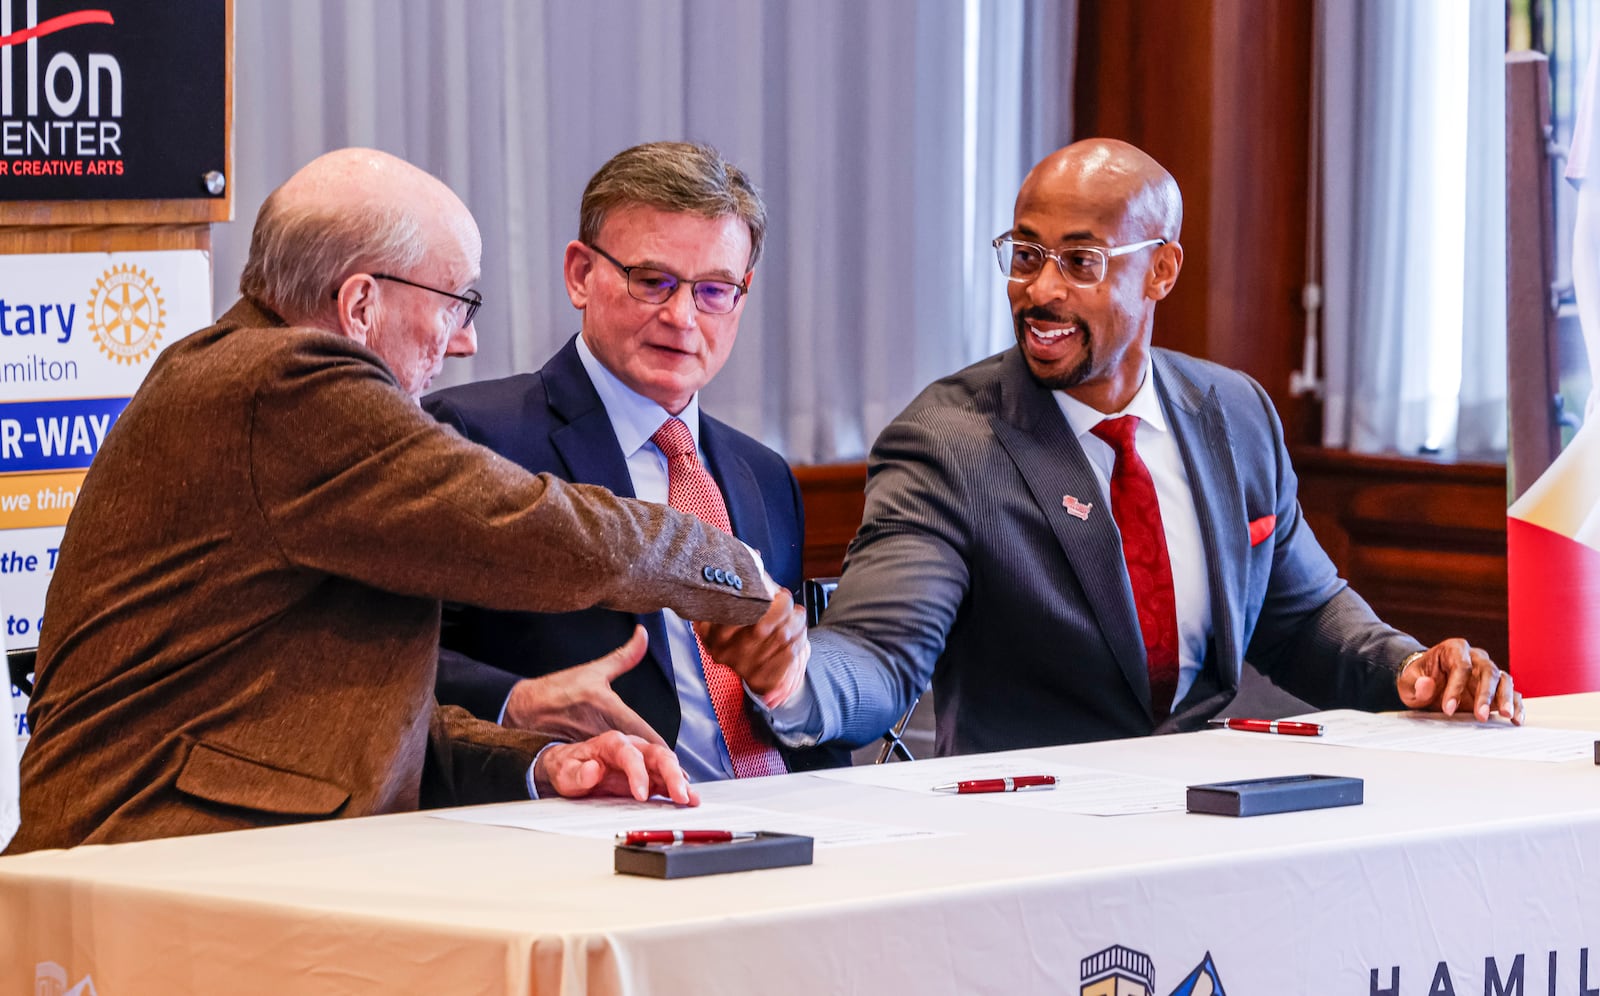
(691, 489)
(1144, 550)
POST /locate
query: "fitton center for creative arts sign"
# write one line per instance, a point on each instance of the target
(112, 99)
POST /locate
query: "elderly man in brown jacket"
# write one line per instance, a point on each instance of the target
(242, 626)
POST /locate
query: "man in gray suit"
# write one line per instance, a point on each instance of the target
(1085, 537)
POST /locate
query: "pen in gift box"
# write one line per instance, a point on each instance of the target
(634, 838)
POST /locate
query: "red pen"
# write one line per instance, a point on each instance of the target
(1011, 784)
(635, 837)
(1284, 726)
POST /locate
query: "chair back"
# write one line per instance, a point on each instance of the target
(20, 664)
(815, 593)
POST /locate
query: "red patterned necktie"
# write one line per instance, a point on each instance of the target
(1144, 550)
(691, 489)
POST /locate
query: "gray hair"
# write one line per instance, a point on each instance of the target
(299, 252)
(673, 176)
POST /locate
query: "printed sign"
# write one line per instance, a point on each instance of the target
(78, 332)
(112, 99)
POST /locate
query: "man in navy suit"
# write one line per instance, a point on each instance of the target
(1085, 537)
(669, 235)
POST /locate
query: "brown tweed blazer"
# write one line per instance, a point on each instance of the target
(242, 626)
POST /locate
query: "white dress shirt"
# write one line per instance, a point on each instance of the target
(634, 419)
(1158, 448)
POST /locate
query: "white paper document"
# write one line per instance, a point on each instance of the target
(1086, 791)
(603, 819)
(1433, 733)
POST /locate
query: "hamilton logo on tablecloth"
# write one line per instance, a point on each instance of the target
(1120, 971)
(50, 979)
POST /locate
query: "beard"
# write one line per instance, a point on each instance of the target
(1060, 380)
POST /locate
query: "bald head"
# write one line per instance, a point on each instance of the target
(1111, 180)
(346, 211)
(1085, 328)
(364, 180)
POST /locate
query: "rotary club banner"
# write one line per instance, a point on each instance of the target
(78, 331)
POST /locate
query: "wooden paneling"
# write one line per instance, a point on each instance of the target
(111, 238)
(833, 498)
(1144, 76)
(1533, 375)
(145, 213)
(1424, 543)
(1219, 91)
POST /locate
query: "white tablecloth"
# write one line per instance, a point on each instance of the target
(1451, 870)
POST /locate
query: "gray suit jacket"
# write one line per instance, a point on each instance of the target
(243, 623)
(969, 571)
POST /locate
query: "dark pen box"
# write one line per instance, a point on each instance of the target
(1282, 794)
(765, 850)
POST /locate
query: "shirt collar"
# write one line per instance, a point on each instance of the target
(634, 417)
(1146, 404)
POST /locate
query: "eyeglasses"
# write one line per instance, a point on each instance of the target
(652, 286)
(1082, 266)
(472, 299)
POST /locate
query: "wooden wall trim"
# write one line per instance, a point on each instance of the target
(1533, 375)
(1424, 542)
(111, 238)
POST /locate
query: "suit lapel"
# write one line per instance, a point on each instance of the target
(1033, 431)
(582, 435)
(1201, 428)
(746, 511)
(584, 439)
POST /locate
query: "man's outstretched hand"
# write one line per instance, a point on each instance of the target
(576, 703)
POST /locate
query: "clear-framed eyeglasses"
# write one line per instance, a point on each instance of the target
(652, 286)
(1081, 266)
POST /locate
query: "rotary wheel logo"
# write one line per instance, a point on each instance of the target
(126, 314)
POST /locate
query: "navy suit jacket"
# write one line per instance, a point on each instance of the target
(969, 571)
(554, 422)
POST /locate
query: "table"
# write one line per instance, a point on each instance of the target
(1452, 870)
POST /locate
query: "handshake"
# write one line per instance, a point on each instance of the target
(610, 749)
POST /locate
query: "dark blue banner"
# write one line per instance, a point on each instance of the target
(54, 435)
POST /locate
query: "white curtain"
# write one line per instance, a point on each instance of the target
(1412, 141)
(888, 138)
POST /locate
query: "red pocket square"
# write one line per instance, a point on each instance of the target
(1261, 528)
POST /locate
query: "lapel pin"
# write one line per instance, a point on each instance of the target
(1075, 507)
